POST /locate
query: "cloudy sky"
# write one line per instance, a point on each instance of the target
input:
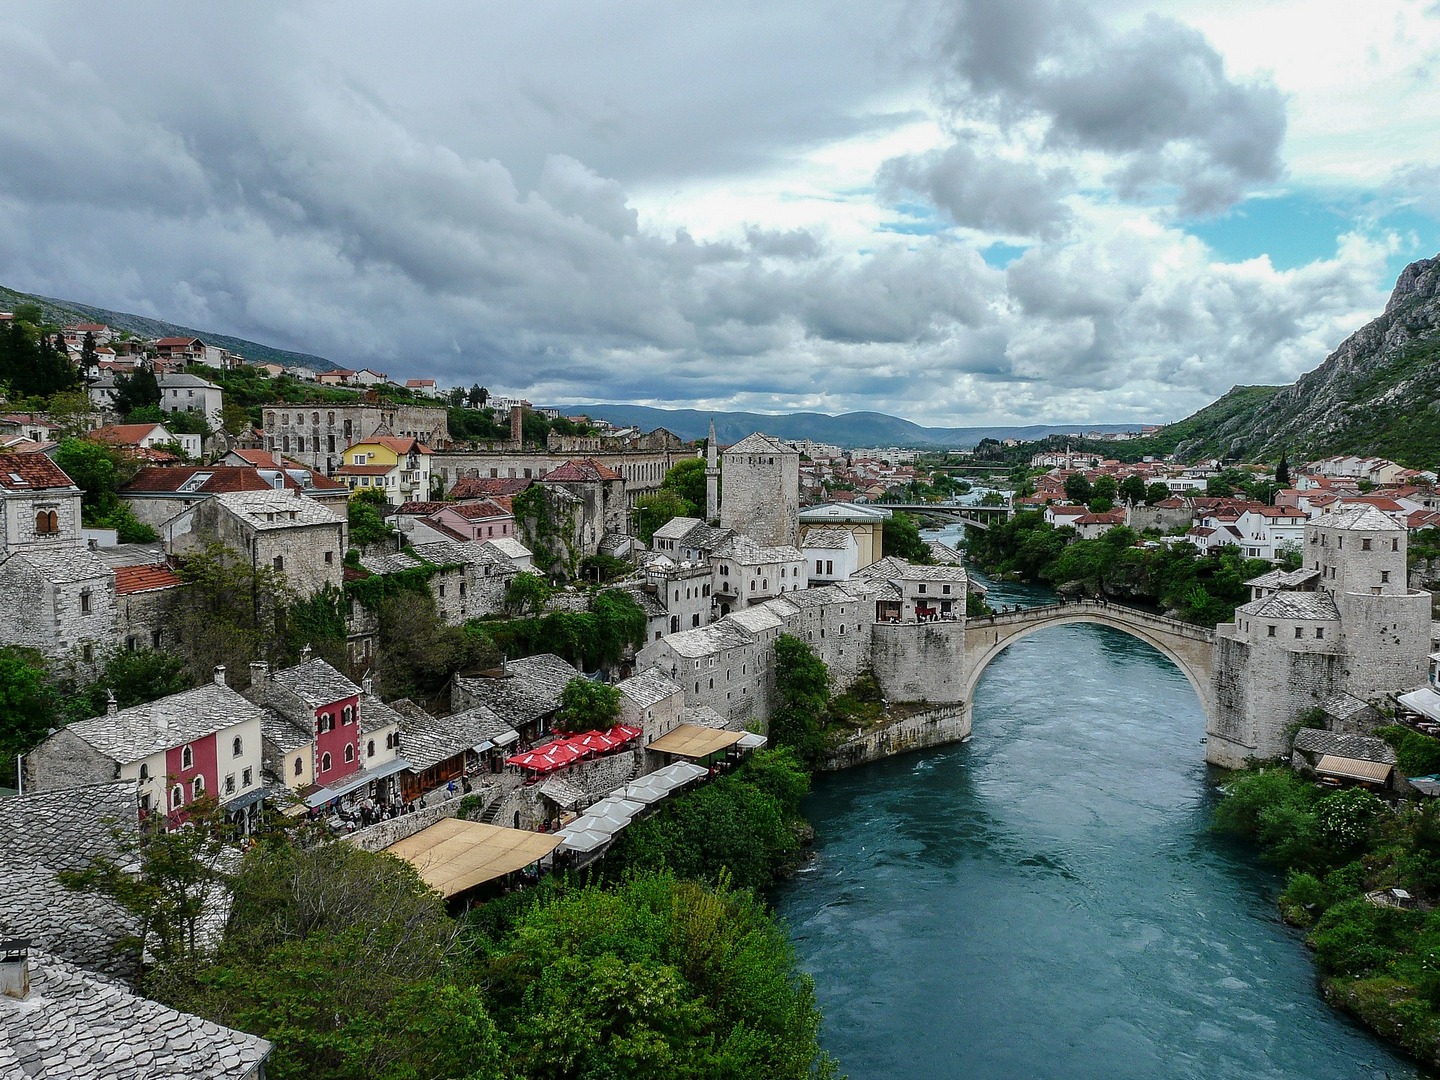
(961, 212)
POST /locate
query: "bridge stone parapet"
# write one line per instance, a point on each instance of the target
(1189, 647)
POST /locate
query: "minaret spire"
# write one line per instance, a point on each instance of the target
(712, 475)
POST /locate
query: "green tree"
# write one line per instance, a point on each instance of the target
(99, 470)
(27, 705)
(135, 677)
(900, 536)
(88, 357)
(366, 525)
(654, 510)
(620, 624)
(587, 705)
(802, 686)
(687, 479)
(136, 391)
(526, 593)
(1132, 489)
(1078, 489)
(230, 611)
(1282, 472)
(418, 651)
(1156, 492)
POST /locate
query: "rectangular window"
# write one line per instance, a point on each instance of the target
(1299, 631)
(230, 784)
(329, 558)
(1319, 633)
(1365, 544)
(1384, 577)
(1270, 631)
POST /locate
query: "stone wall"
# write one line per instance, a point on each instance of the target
(328, 431)
(391, 831)
(143, 619)
(1387, 642)
(50, 615)
(920, 661)
(919, 731)
(600, 776)
(64, 760)
(761, 496)
(1259, 690)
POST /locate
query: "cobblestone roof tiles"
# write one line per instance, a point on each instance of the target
(81, 927)
(828, 539)
(756, 619)
(272, 509)
(60, 564)
(704, 716)
(316, 683)
(648, 687)
(760, 443)
(78, 1026)
(709, 640)
(283, 733)
(1284, 579)
(562, 793)
(138, 579)
(66, 829)
(676, 528)
(581, 471)
(1309, 606)
(748, 552)
(375, 714)
(1359, 518)
(132, 734)
(1360, 747)
(390, 564)
(530, 689)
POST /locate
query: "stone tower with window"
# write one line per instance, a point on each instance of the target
(761, 498)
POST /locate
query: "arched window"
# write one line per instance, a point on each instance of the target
(299, 766)
(197, 787)
(325, 762)
(144, 772)
(47, 523)
(349, 715)
(177, 796)
(349, 752)
(315, 418)
(370, 748)
(237, 747)
(327, 723)
(187, 758)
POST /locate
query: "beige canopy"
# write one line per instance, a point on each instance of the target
(454, 855)
(694, 741)
(1371, 772)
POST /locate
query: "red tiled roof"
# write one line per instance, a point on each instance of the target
(134, 579)
(258, 457)
(421, 509)
(169, 342)
(123, 434)
(480, 487)
(584, 471)
(33, 471)
(222, 478)
(470, 511)
(364, 470)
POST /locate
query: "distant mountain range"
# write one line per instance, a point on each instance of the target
(1378, 394)
(68, 311)
(845, 430)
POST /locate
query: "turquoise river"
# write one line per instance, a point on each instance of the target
(1048, 901)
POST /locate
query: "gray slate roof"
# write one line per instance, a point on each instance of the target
(1310, 606)
(760, 443)
(79, 1026)
(747, 552)
(264, 510)
(530, 690)
(1363, 518)
(135, 733)
(427, 740)
(1360, 747)
(828, 540)
(66, 829)
(316, 683)
(82, 927)
(648, 687)
(1284, 579)
(61, 564)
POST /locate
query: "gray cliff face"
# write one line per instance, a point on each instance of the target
(1382, 378)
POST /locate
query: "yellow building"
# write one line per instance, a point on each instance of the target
(398, 467)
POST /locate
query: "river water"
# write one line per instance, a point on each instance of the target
(1047, 900)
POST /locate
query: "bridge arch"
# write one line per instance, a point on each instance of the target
(1187, 647)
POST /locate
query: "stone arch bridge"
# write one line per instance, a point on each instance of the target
(977, 517)
(1189, 647)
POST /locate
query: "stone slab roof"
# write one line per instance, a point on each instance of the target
(1284, 579)
(315, 682)
(853, 512)
(756, 619)
(74, 1025)
(265, 510)
(464, 552)
(709, 640)
(828, 539)
(648, 687)
(509, 548)
(1359, 518)
(1310, 606)
(427, 740)
(81, 927)
(1360, 747)
(65, 564)
(136, 733)
(284, 734)
(706, 717)
(390, 564)
(66, 829)
(530, 689)
(747, 552)
(676, 528)
(375, 714)
(760, 443)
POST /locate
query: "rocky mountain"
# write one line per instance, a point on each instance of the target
(1377, 394)
(844, 430)
(64, 312)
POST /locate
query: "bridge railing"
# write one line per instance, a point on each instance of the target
(1122, 612)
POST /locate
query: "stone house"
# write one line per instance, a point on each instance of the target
(761, 494)
(682, 592)
(201, 742)
(1351, 625)
(686, 539)
(525, 693)
(476, 586)
(144, 597)
(651, 702)
(192, 394)
(317, 437)
(320, 703)
(309, 482)
(282, 530)
(745, 572)
(830, 555)
(865, 523)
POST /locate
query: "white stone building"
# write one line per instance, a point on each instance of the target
(760, 496)
(745, 573)
(830, 555)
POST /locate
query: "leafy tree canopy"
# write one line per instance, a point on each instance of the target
(587, 705)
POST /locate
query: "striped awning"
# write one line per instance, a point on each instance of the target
(1371, 772)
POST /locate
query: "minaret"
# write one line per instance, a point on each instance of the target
(712, 476)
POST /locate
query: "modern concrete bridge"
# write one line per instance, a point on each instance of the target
(978, 517)
(1190, 647)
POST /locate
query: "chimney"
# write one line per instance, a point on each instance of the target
(111, 708)
(259, 677)
(15, 967)
(305, 655)
(517, 424)
(366, 685)
(219, 674)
